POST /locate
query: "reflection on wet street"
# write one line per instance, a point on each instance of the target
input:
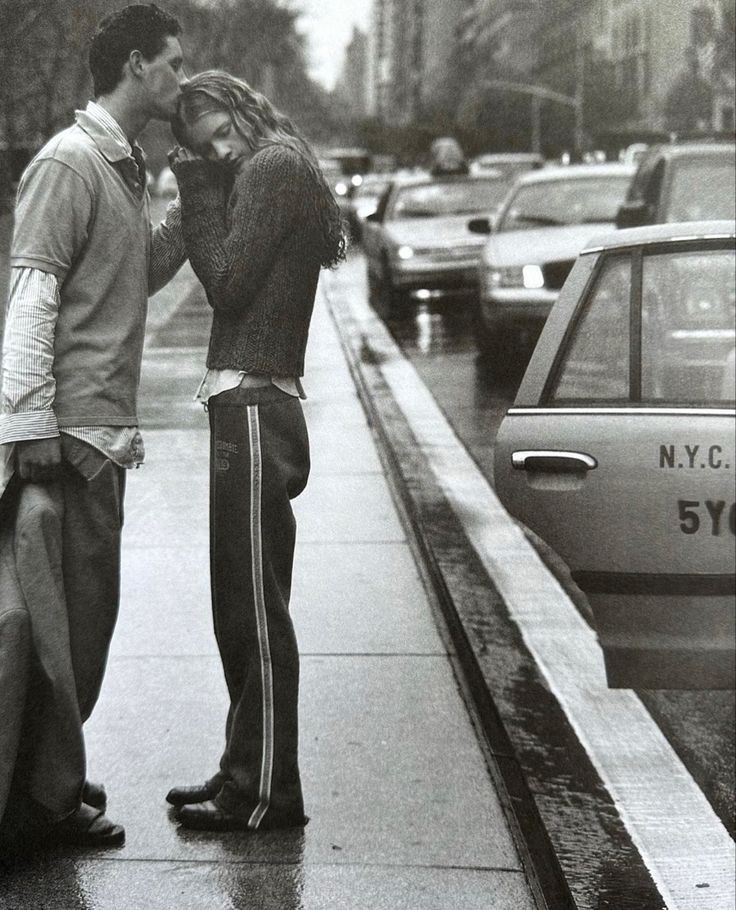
(438, 338)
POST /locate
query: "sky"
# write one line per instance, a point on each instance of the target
(328, 25)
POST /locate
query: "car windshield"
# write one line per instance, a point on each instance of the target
(701, 189)
(583, 200)
(451, 197)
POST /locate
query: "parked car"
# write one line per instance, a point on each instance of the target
(418, 239)
(688, 181)
(510, 164)
(364, 201)
(619, 449)
(546, 220)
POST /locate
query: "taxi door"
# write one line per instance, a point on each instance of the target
(619, 453)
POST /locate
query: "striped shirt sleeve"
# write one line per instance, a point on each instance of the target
(168, 252)
(28, 384)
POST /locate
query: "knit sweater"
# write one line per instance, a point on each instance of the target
(254, 246)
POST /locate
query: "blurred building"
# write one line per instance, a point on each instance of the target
(351, 88)
(379, 59)
(411, 44)
(500, 35)
(637, 50)
(620, 65)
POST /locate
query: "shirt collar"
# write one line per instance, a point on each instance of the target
(107, 133)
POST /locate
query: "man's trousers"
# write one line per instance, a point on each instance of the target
(62, 561)
(259, 461)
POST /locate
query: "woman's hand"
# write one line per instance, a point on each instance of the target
(181, 153)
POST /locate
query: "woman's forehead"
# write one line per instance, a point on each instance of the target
(206, 125)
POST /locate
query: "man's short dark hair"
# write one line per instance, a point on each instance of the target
(140, 27)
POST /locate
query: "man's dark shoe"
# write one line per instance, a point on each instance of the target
(87, 827)
(208, 816)
(200, 793)
(94, 795)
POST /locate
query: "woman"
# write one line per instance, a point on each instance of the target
(259, 221)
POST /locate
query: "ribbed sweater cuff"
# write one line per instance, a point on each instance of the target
(198, 174)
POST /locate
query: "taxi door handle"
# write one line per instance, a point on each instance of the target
(551, 461)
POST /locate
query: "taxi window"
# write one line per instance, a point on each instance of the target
(596, 364)
(688, 338)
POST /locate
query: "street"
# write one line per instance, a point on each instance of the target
(610, 789)
(438, 339)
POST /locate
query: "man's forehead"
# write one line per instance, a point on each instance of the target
(172, 49)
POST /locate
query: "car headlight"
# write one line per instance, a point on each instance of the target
(405, 252)
(341, 188)
(527, 276)
(533, 277)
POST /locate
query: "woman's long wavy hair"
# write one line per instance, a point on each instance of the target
(261, 125)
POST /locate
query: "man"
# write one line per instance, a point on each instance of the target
(84, 260)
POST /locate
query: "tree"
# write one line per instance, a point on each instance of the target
(44, 77)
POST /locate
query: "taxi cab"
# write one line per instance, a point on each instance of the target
(619, 449)
(417, 242)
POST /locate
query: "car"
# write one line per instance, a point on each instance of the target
(618, 451)
(364, 201)
(687, 181)
(417, 241)
(543, 224)
(510, 164)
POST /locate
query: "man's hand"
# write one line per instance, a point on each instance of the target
(38, 460)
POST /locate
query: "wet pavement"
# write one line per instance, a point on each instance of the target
(404, 812)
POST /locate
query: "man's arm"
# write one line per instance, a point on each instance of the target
(168, 252)
(28, 386)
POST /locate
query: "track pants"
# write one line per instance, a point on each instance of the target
(259, 462)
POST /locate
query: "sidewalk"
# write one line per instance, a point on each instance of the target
(403, 810)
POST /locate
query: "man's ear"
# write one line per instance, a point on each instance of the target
(135, 62)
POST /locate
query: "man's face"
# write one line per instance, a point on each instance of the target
(163, 76)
